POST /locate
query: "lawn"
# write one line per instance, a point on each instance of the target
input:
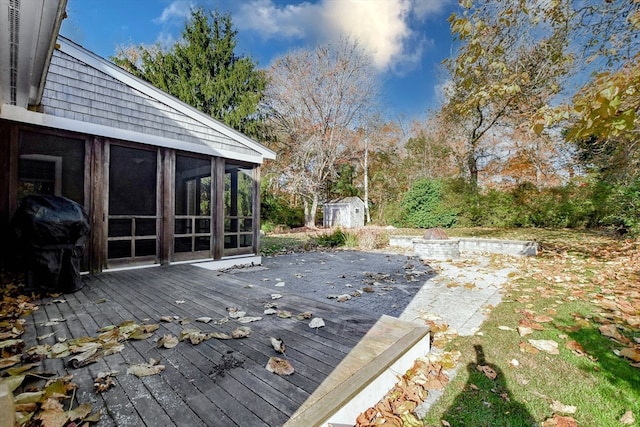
(562, 349)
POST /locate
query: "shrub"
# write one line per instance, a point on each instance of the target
(423, 206)
(337, 238)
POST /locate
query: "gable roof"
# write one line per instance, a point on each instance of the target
(86, 93)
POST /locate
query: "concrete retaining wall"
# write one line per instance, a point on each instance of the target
(453, 248)
(437, 249)
(495, 246)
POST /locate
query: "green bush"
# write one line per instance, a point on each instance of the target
(277, 211)
(624, 214)
(423, 206)
(332, 240)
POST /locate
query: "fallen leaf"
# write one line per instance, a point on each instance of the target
(145, 369)
(236, 314)
(181, 301)
(269, 311)
(611, 331)
(628, 418)
(167, 319)
(276, 296)
(557, 406)
(278, 345)
(10, 361)
(560, 421)
(541, 318)
(548, 346)
(279, 366)
(316, 322)
(488, 371)
(284, 314)
(204, 319)
(241, 332)
(523, 331)
(219, 335)
(168, 341)
(575, 347)
(249, 319)
(505, 328)
(280, 284)
(631, 353)
(304, 315)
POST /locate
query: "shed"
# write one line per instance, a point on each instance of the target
(161, 181)
(346, 213)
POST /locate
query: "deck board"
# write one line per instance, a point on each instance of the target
(188, 392)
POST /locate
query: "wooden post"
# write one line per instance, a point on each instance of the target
(167, 230)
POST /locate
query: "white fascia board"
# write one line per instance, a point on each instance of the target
(95, 61)
(19, 114)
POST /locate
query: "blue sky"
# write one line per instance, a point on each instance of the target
(407, 39)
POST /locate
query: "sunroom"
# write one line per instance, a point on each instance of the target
(161, 182)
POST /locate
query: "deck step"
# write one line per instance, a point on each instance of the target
(368, 372)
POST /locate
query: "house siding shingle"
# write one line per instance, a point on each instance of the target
(77, 91)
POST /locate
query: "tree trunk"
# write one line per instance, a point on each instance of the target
(310, 211)
(366, 180)
(472, 164)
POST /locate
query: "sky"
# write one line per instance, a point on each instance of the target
(407, 39)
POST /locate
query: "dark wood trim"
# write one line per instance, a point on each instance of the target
(167, 212)
(13, 169)
(256, 209)
(159, 200)
(218, 208)
(105, 202)
(97, 208)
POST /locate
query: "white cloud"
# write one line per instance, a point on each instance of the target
(425, 8)
(383, 27)
(270, 20)
(177, 9)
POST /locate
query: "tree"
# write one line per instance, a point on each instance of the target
(317, 99)
(202, 70)
(511, 57)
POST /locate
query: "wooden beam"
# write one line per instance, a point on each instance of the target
(256, 209)
(167, 231)
(98, 174)
(218, 208)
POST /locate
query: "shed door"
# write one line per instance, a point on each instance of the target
(132, 236)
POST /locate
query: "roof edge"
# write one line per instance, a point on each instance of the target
(78, 52)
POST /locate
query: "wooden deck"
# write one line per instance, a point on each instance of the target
(189, 392)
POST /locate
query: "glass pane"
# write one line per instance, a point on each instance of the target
(230, 241)
(245, 192)
(182, 244)
(246, 224)
(119, 227)
(132, 181)
(50, 164)
(119, 249)
(145, 247)
(145, 227)
(193, 186)
(230, 225)
(203, 225)
(246, 240)
(203, 243)
(183, 226)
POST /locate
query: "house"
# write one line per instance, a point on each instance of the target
(346, 213)
(161, 181)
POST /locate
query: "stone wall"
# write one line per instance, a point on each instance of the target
(454, 248)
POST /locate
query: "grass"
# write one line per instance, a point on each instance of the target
(573, 273)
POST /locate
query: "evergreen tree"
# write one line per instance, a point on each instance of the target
(203, 70)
